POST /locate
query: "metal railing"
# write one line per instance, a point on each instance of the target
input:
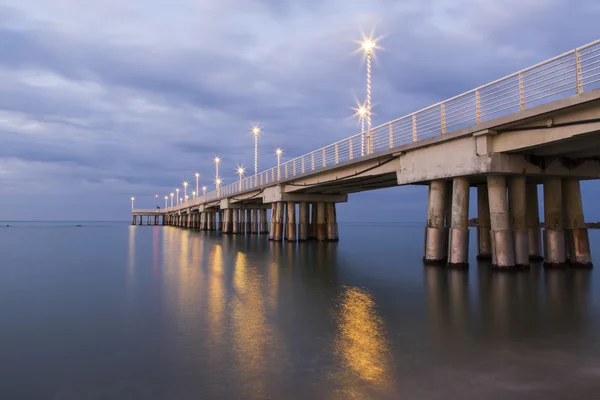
(567, 74)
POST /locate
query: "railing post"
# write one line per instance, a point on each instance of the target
(521, 92)
(351, 150)
(578, 72)
(414, 126)
(312, 156)
(324, 158)
(477, 107)
(391, 136)
(443, 114)
(261, 179)
(337, 154)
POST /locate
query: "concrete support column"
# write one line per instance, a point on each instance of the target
(190, 221)
(164, 219)
(518, 213)
(303, 225)
(235, 221)
(554, 235)
(133, 219)
(331, 220)
(209, 220)
(458, 241)
(248, 221)
(242, 221)
(228, 218)
(141, 220)
(533, 223)
(290, 231)
(576, 234)
(273, 218)
(435, 233)
(156, 220)
(264, 225)
(312, 233)
(279, 222)
(255, 221)
(484, 240)
(321, 228)
(148, 219)
(503, 251)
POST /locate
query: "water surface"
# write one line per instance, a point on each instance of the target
(108, 311)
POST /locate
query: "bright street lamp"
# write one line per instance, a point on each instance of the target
(197, 176)
(255, 132)
(240, 172)
(185, 190)
(193, 195)
(171, 199)
(166, 201)
(177, 190)
(278, 152)
(361, 112)
(132, 200)
(203, 190)
(369, 45)
(217, 180)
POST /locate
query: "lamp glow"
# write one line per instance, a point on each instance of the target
(177, 190)
(171, 199)
(240, 172)
(132, 200)
(185, 185)
(166, 201)
(368, 45)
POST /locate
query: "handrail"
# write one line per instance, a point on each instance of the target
(529, 87)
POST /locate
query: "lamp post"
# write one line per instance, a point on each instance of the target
(204, 190)
(166, 201)
(171, 199)
(369, 45)
(218, 184)
(132, 200)
(177, 193)
(197, 176)
(361, 112)
(217, 180)
(255, 132)
(240, 172)
(185, 190)
(193, 195)
(278, 152)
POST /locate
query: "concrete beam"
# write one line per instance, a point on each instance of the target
(276, 194)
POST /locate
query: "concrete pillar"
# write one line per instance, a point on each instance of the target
(147, 220)
(331, 220)
(458, 238)
(484, 241)
(255, 221)
(273, 218)
(312, 233)
(517, 203)
(576, 234)
(235, 221)
(303, 225)
(321, 228)
(209, 220)
(164, 219)
(228, 219)
(190, 220)
(533, 223)
(290, 231)
(278, 222)
(503, 252)
(242, 221)
(248, 221)
(156, 220)
(554, 235)
(264, 226)
(133, 219)
(435, 233)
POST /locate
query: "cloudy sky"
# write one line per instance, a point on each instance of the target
(102, 100)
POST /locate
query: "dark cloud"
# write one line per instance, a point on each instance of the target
(99, 102)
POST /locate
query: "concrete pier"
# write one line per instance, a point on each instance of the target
(517, 204)
(503, 254)
(303, 225)
(273, 218)
(264, 226)
(133, 220)
(228, 221)
(278, 235)
(458, 240)
(242, 221)
(235, 221)
(331, 221)
(435, 233)
(312, 229)
(484, 240)
(533, 223)
(290, 226)
(255, 221)
(248, 221)
(321, 228)
(554, 235)
(576, 234)
(190, 220)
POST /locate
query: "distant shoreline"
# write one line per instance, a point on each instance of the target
(589, 225)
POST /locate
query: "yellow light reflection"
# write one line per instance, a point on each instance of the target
(361, 344)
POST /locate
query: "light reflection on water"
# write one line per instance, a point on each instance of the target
(160, 312)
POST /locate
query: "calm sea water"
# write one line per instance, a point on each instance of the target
(111, 311)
